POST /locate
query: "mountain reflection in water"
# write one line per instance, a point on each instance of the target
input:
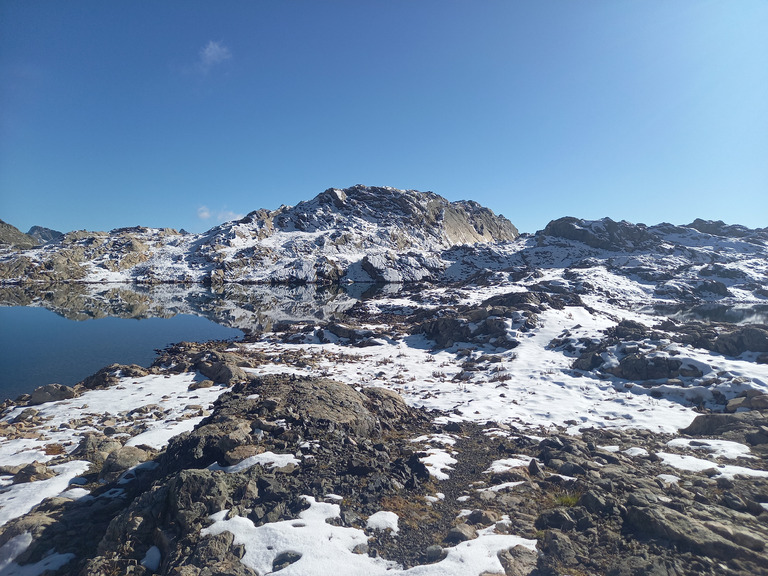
(38, 347)
(714, 312)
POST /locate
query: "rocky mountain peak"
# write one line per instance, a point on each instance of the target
(605, 234)
(44, 235)
(720, 228)
(421, 216)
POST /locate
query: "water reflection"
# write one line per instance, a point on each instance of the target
(246, 307)
(37, 347)
(714, 312)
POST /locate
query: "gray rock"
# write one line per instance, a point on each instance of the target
(518, 561)
(434, 553)
(446, 331)
(95, 448)
(50, 393)
(716, 424)
(285, 559)
(33, 472)
(750, 338)
(606, 233)
(198, 384)
(534, 469)
(640, 367)
(26, 415)
(322, 404)
(110, 375)
(735, 403)
(682, 530)
(44, 235)
(221, 372)
(460, 533)
(12, 236)
(483, 517)
(558, 546)
(558, 518)
(121, 460)
(389, 406)
(594, 502)
(759, 402)
(740, 536)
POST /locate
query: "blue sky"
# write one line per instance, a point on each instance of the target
(184, 114)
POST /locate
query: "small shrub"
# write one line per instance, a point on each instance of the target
(567, 498)
(53, 449)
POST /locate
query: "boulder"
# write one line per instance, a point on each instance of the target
(446, 331)
(96, 448)
(460, 533)
(759, 402)
(518, 561)
(121, 460)
(50, 393)
(748, 338)
(221, 372)
(389, 406)
(717, 424)
(321, 404)
(682, 530)
(32, 473)
(110, 375)
(641, 367)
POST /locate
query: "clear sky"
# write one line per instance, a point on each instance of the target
(186, 113)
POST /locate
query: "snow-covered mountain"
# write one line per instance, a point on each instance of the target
(357, 234)
(365, 234)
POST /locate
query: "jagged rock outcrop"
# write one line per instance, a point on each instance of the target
(605, 234)
(12, 237)
(44, 235)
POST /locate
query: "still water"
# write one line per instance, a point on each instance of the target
(39, 347)
(66, 333)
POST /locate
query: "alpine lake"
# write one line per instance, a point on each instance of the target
(66, 332)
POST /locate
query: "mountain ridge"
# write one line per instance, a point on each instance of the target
(380, 234)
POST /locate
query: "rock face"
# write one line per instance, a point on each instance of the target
(608, 234)
(44, 235)
(13, 237)
(605, 234)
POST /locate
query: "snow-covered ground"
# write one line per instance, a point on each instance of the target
(530, 386)
(144, 411)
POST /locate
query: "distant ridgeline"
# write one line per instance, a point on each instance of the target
(385, 235)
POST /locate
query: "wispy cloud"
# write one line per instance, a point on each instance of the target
(222, 215)
(211, 55)
(226, 215)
